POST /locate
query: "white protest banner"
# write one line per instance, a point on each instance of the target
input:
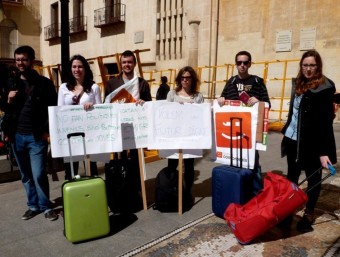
(179, 126)
(228, 121)
(108, 127)
(101, 127)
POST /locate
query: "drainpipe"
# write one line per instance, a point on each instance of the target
(65, 40)
(216, 45)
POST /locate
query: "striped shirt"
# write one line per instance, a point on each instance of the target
(253, 86)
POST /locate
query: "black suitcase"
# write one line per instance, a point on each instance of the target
(122, 180)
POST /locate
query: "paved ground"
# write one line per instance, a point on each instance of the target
(39, 237)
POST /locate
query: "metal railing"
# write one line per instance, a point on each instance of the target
(78, 24)
(109, 15)
(13, 1)
(52, 31)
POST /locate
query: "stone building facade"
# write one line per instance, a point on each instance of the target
(205, 34)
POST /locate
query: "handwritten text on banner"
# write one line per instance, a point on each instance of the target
(114, 127)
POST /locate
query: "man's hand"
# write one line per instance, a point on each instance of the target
(11, 96)
(252, 100)
(140, 102)
(221, 101)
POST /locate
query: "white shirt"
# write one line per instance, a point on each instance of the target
(65, 96)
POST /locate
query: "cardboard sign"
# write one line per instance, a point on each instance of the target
(179, 126)
(235, 126)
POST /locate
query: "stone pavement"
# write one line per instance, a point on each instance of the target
(39, 237)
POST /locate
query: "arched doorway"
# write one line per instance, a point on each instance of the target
(8, 38)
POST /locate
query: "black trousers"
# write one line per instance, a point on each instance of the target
(189, 172)
(295, 168)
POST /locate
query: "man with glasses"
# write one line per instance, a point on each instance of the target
(251, 86)
(26, 101)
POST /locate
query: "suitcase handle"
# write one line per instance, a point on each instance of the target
(332, 172)
(76, 134)
(231, 141)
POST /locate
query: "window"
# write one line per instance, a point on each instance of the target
(54, 30)
(169, 29)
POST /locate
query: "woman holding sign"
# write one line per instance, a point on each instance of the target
(308, 140)
(79, 89)
(185, 92)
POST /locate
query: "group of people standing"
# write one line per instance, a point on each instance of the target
(308, 138)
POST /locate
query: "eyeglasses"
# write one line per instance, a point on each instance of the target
(238, 63)
(22, 60)
(75, 99)
(186, 77)
(306, 66)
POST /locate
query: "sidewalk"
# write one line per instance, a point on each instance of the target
(39, 237)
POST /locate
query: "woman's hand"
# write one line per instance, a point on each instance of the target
(324, 160)
(88, 106)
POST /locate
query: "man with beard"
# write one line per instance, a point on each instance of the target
(26, 101)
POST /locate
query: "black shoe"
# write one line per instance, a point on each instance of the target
(286, 222)
(29, 214)
(51, 215)
(305, 224)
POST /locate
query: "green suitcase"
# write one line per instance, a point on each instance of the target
(86, 214)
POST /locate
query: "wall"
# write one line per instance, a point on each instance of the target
(225, 27)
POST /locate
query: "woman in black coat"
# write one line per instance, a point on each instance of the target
(308, 140)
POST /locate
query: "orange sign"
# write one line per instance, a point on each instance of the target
(123, 96)
(224, 138)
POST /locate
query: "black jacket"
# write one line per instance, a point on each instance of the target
(43, 94)
(315, 136)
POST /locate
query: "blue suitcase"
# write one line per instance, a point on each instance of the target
(230, 185)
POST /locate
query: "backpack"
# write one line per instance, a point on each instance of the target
(166, 192)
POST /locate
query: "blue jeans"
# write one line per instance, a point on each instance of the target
(31, 158)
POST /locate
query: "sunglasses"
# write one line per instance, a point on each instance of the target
(238, 63)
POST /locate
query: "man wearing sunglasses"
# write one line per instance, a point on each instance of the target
(26, 102)
(244, 82)
(250, 89)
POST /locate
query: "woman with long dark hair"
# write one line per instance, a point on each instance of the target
(79, 89)
(308, 140)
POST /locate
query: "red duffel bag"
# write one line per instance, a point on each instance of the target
(278, 199)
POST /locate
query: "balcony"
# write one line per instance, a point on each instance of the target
(78, 25)
(13, 2)
(109, 15)
(52, 31)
